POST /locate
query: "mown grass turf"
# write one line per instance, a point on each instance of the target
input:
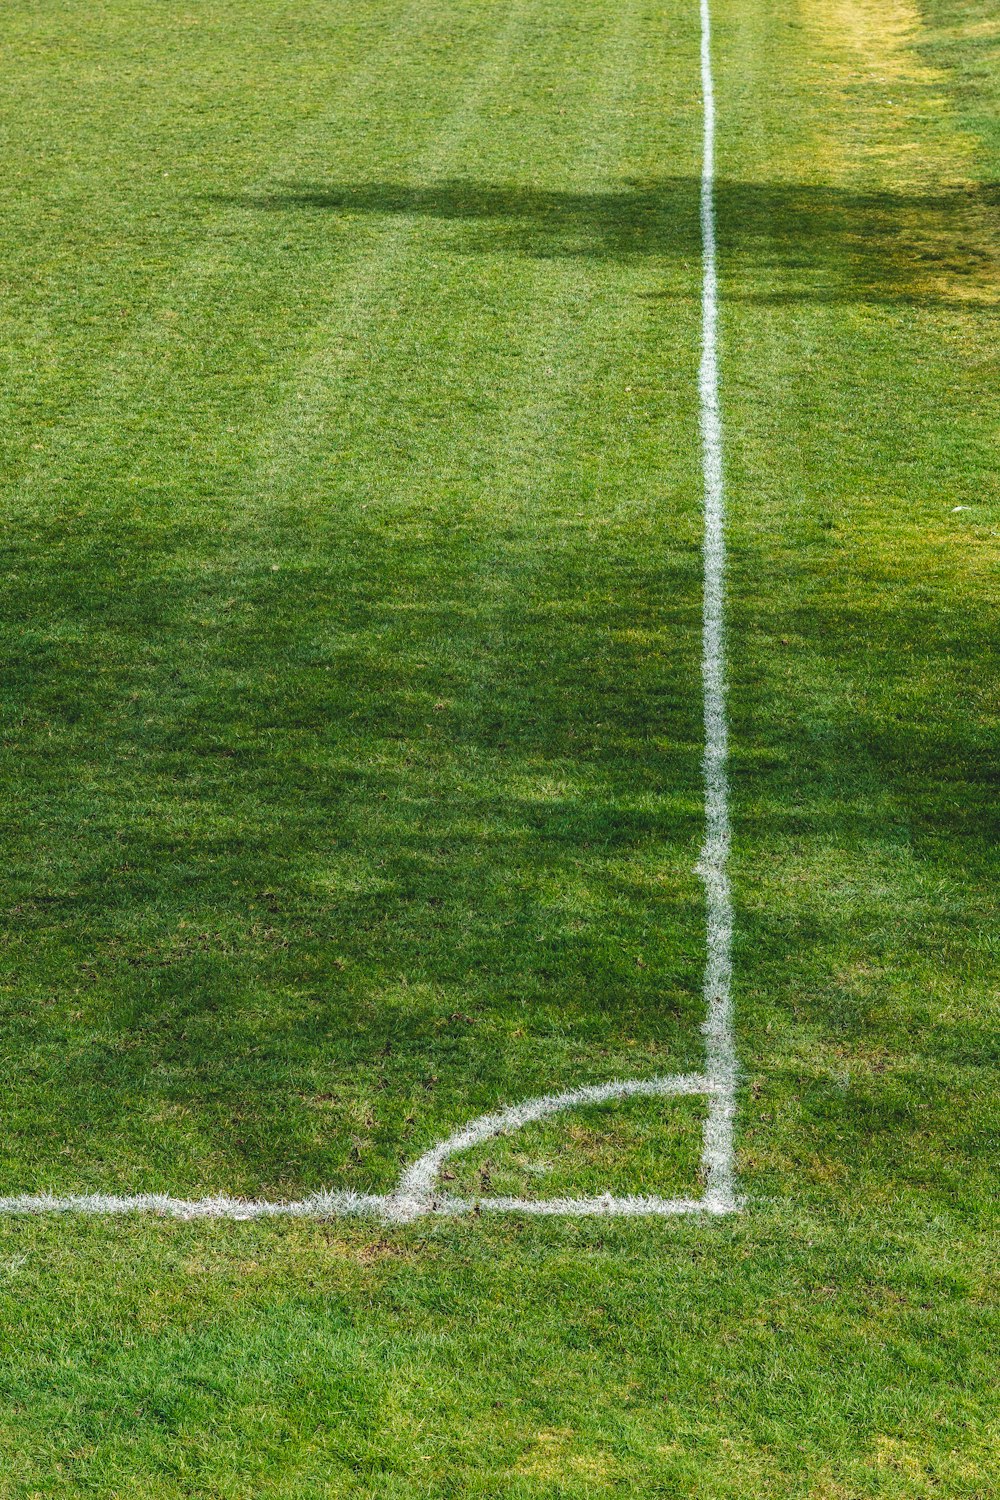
(352, 734)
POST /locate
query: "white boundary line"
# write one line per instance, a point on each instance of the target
(720, 1044)
(417, 1191)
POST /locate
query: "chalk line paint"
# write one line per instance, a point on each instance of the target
(417, 1192)
(720, 1046)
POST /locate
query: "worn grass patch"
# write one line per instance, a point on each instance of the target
(647, 1146)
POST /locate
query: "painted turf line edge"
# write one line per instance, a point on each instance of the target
(417, 1192)
(713, 867)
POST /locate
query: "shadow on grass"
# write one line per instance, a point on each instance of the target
(342, 859)
(781, 242)
(365, 826)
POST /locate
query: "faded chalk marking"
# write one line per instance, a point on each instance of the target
(417, 1192)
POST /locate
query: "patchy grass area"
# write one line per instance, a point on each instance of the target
(352, 734)
(633, 1146)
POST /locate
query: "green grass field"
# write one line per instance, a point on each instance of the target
(352, 736)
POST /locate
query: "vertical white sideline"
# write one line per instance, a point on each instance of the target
(720, 1047)
(417, 1191)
